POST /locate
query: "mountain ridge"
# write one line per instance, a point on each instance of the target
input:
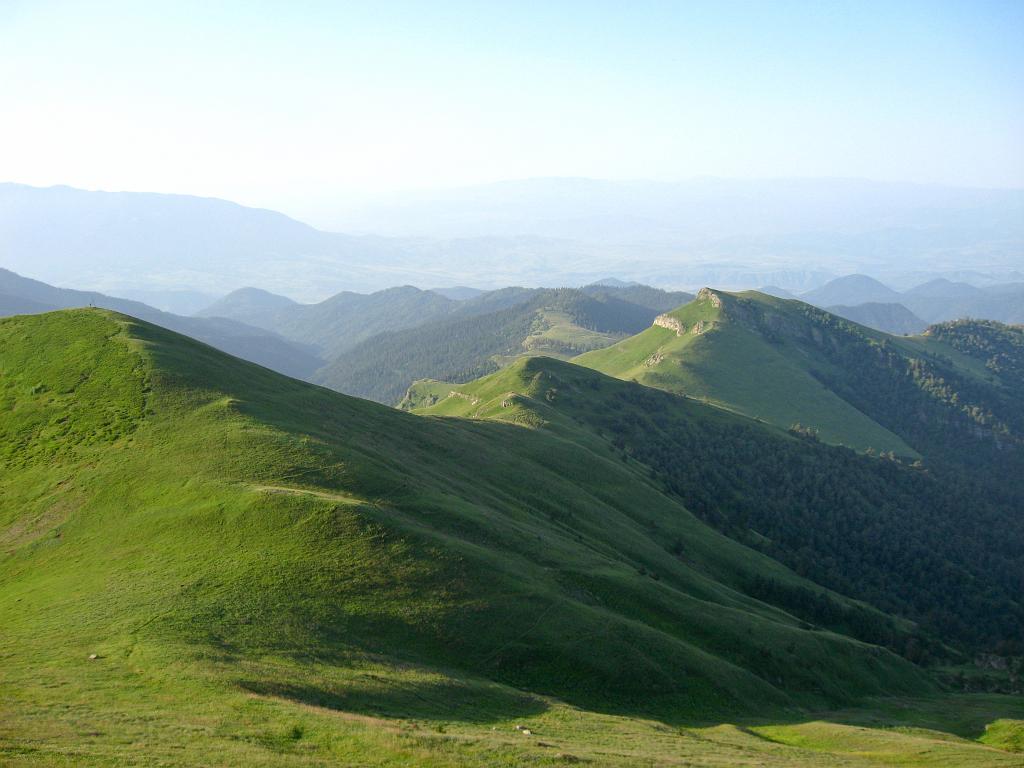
(841, 518)
(27, 296)
(788, 362)
(150, 385)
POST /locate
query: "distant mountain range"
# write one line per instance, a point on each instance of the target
(477, 338)
(891, 318)
(796, 234)
(375, 345)
(868, 301)
(696, 210)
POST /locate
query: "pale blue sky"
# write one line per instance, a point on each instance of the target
(303, 106)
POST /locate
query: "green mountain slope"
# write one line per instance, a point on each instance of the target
(705, 353)
(205, 562)
(377, 344)
(21, 295)
(788, 363)
(559, 322)
(942, 548)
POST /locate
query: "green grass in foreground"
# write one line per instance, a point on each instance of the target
(163, 704)
(273, 574)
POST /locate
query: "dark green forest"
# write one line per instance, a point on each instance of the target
(940, 545)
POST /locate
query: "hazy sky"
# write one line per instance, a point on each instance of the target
(296, 105)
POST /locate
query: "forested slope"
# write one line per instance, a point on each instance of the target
(941, 546)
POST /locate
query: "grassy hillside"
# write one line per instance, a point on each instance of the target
(788, 363)
(20, 295)
(473, 342)
(725, 361)
(934, 546)
(377, 344)
(204, 562)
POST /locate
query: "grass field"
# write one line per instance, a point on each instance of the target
(269, 573)
(156, 703)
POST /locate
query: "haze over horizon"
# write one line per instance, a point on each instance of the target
(315, 109)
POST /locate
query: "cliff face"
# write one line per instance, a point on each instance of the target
(706, 294)
(667, 321)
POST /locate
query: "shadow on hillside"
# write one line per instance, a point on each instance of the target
(401, 460)
(889, 724)
(443, 700)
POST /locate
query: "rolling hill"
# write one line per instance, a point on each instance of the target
(204, 561)
(336, 324)
(929, 544)
(787, 363)
(253, 306)
(343, 321)
(487, 332)
(851, 290)
(1004, 302)
(701, 352)
(20, 295)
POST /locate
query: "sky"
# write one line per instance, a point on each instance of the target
(308, 106)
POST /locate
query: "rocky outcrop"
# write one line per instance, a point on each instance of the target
(709, 295)
(667, 321)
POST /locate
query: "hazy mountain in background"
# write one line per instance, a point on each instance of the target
(850, 290)
(941, 288)
(891, 318)
(19, 305)
(795, 234)
(338, 323)
(846, 225)
(859, 298)
(254, 306)
(459, 292)
(1004, 303)
(774, 290)
(119, 241)
(703, 208)
(180, 302)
